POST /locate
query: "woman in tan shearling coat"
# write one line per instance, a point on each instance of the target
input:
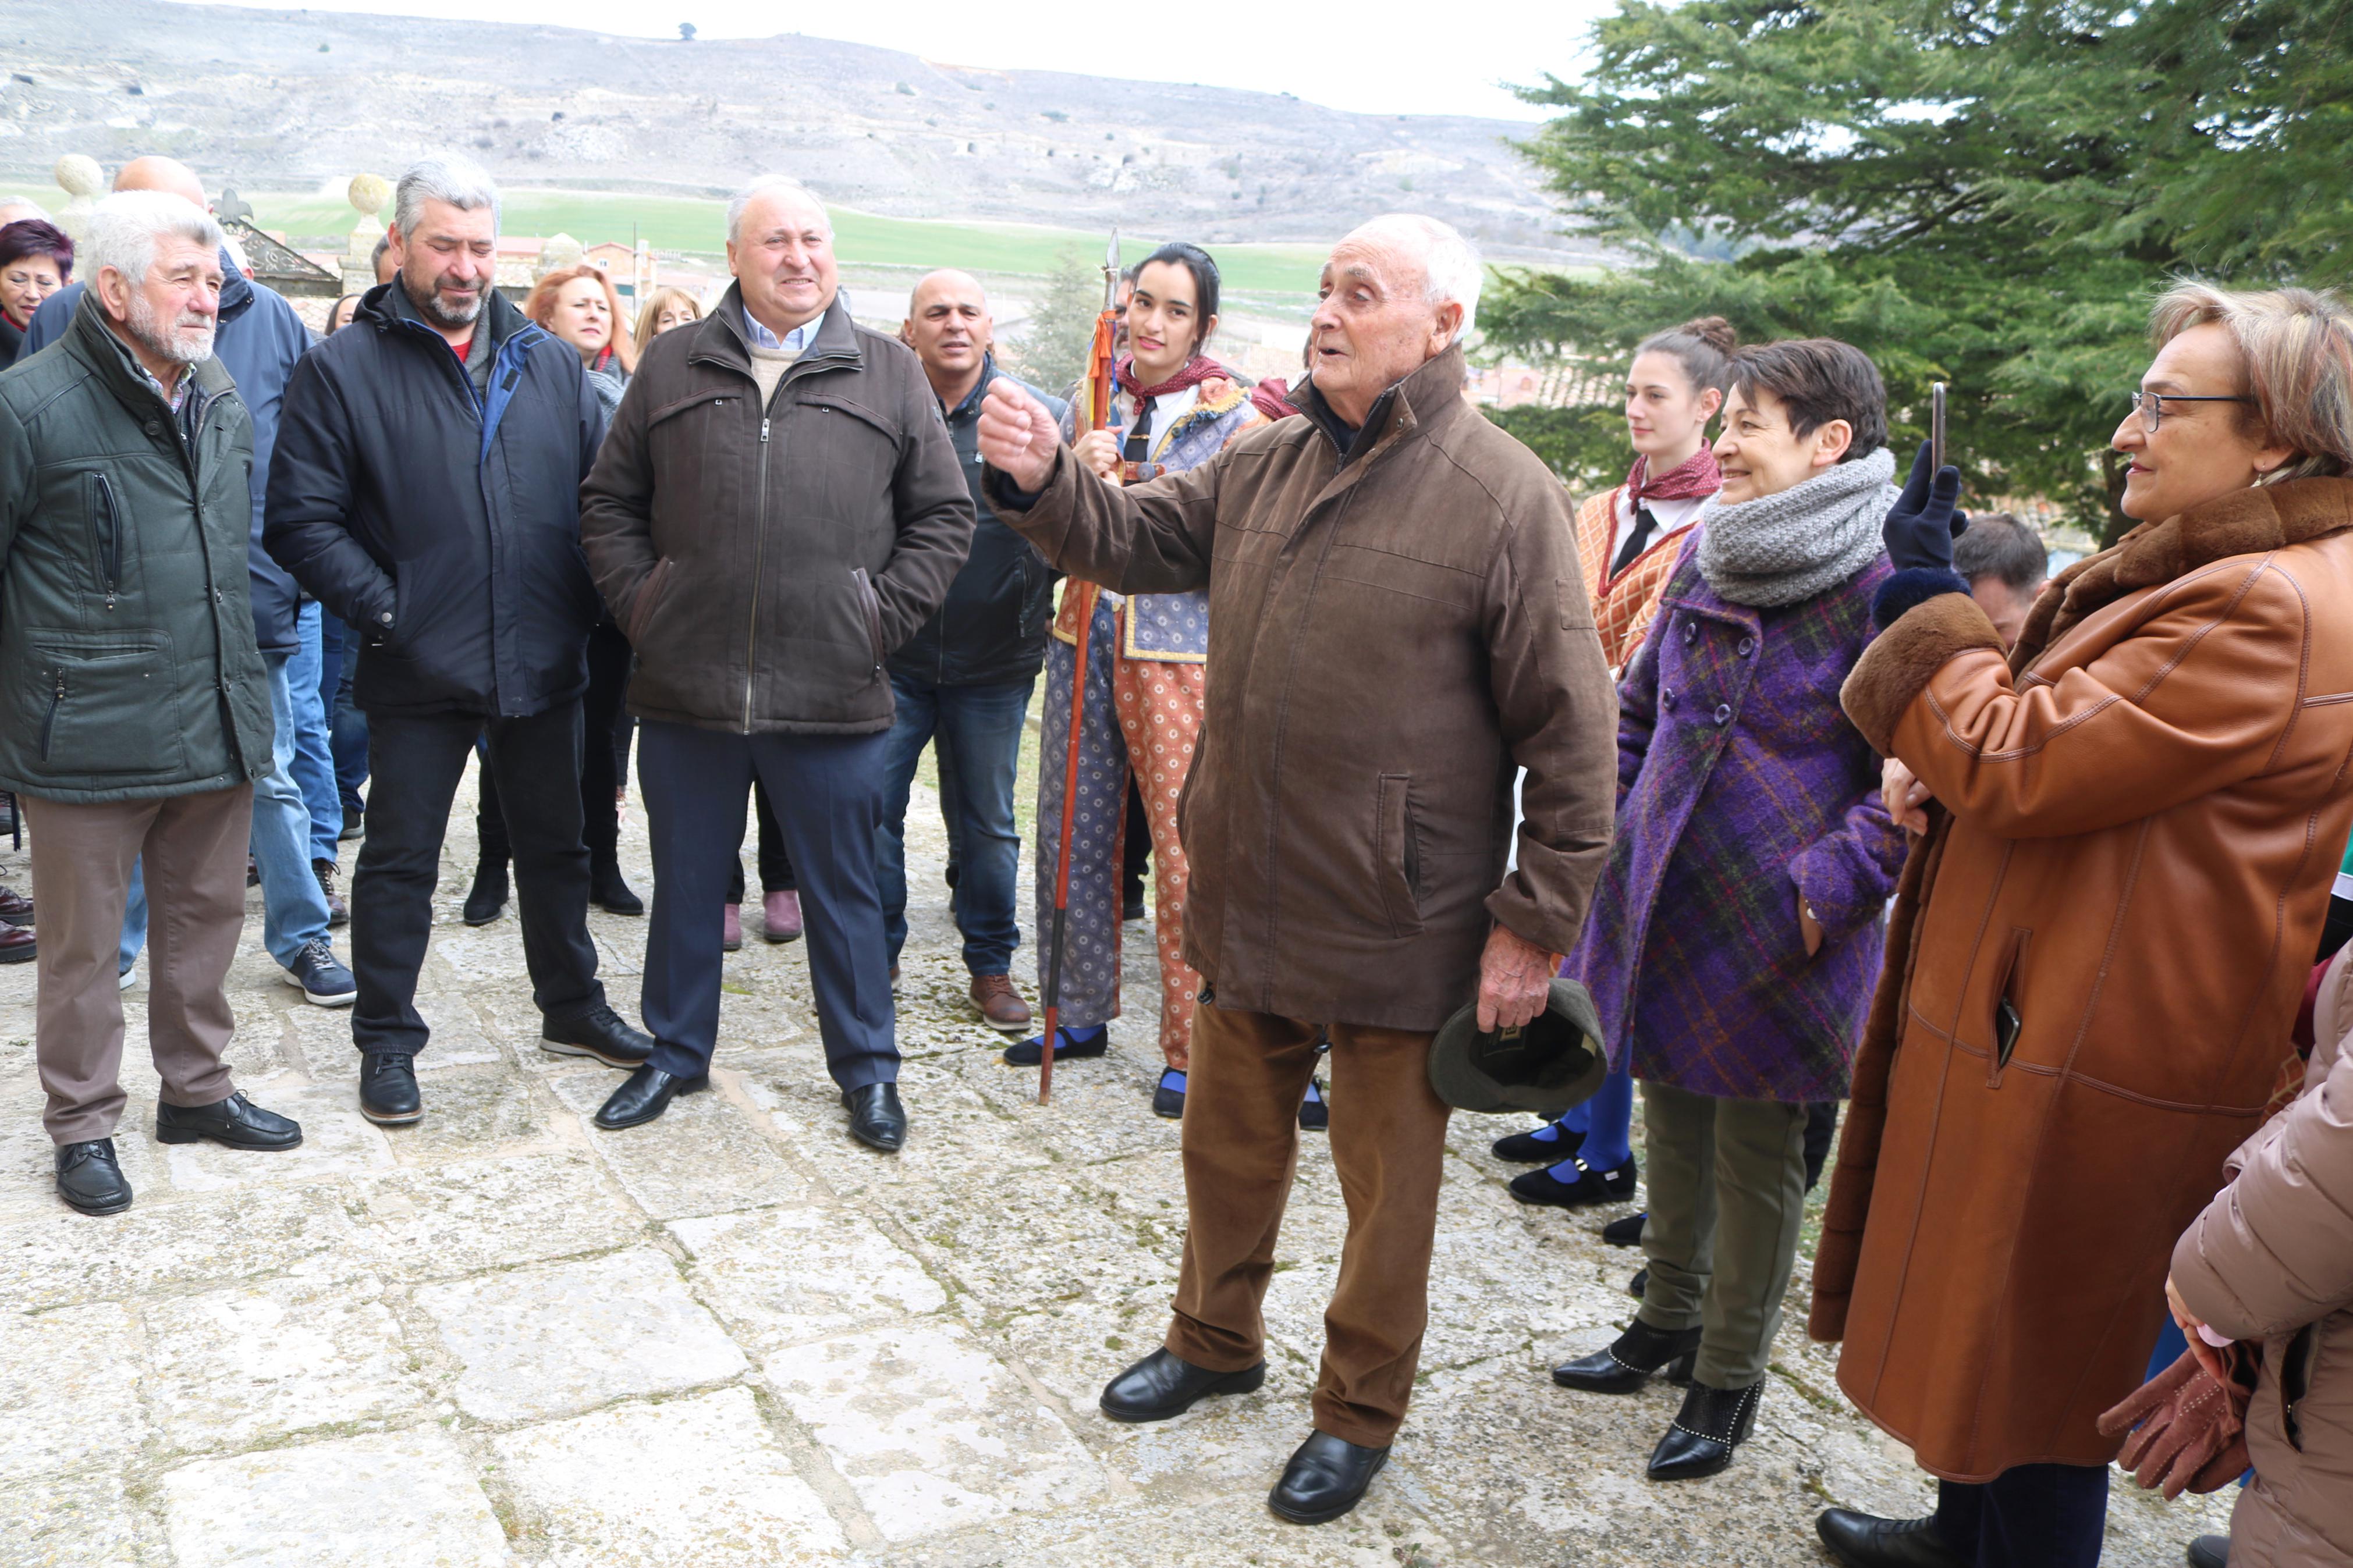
(2103, 939)
(2270, 1260)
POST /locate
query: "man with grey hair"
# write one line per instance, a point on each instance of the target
(137, 708)
(426, 489)
(1349, 814)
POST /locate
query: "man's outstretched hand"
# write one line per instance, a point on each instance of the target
(1515, 980)
(1018, 438)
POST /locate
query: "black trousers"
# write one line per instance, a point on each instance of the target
(776, 861)
(2030, 1515)
(416, 761)
(604, 759)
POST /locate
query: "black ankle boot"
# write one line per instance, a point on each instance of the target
(1628, 1363)
(487, 896)
(1712, 1423)
(609, 892)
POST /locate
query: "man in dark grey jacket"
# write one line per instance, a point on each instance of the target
(134, 709)
(776, 509)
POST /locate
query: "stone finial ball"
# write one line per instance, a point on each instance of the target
(78, 175)
(556, 252)
(368, 194)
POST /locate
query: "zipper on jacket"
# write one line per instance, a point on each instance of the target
(109, 520)
(759, 551)
(49, 720)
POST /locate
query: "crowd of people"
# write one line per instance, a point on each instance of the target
(1788, 782)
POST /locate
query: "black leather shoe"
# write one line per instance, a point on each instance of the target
(235, 1123)
(2209, 1552)
(1527, 1149)
(1068, 1047)
(876, 1117)
(1712, 1423)
(90, 1179)
(644, 1095)
(1626, 1232)
(609, 893)
(1639, 1286)
(1864, 1541)
(598, 1032)
(1164, 1384)
(487, 896)
(1326, 1477)
(1591, 1187)
(388, 1095)
(1628, 1363)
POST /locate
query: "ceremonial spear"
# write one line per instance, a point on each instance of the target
(1094, 394)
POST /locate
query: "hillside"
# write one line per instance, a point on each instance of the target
(283, 100)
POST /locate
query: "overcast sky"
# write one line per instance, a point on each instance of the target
(1393, 58)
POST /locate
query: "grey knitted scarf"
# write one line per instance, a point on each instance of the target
(1782, 548)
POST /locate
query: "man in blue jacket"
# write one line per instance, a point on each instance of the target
(258, 340)
(426, 488)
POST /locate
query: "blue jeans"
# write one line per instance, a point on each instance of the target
(347, 730)
(314, 761)
(977, 733)
(294, 909)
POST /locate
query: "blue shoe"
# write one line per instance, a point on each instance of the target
(322, 978)
(1074, 1045)
(1547, 1145)
(1314, 1114)
(1168, 1099)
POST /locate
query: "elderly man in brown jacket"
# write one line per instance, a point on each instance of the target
(1398, 620)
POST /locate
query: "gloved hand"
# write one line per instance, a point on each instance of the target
(1922, 523)
(2188, 1432)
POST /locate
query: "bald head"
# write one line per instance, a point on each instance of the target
(950, 328)
(168, 175)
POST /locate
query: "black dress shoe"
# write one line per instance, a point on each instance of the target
(2209, 1552)
(609, 893)
(487, 896)
(1639, 1286)
(1591, 1187)
(600, 1033)
(388, 1095)
(90, 1179)
(1630, 1360)
(1527, 1149)
(1626, 1232)
(1164, 1384)
(1327, 1478)
(235, 1123)
(1712, 1423)
(644, 1095)
(1068, 1047)
(1863, 1541)
(876, 1117)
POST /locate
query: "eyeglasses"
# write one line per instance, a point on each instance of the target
(2151, 405)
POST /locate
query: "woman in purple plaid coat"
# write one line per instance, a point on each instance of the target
(1734, 937)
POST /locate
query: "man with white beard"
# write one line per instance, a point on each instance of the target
(134, 707)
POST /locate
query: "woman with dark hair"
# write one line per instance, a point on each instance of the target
(340, 314)
(35, 261)
(1174, 409)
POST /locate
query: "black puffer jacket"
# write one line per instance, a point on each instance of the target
(442, 523)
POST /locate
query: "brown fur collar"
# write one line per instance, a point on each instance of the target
(2244, 523)
(1896, 666)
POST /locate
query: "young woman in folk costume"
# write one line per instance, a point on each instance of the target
(1174, 409)
(1627, 540)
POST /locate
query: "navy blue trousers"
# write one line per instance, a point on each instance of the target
(827, 792)
(2030, 1515)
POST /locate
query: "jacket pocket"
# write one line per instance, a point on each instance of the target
(648, 600)
(106, 525)
(2007, 1022)
(1397, 855)
(108, 710)
(869, 604)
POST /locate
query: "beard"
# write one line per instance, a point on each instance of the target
(187, 340)
(441, 308)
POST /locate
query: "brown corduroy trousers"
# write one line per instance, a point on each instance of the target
(194, 848)
(1241, 1147)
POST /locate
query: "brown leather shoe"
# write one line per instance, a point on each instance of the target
(15, 907)
(1000, 1005)
(16, 944)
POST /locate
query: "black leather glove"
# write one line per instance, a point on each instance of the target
(1922, 523)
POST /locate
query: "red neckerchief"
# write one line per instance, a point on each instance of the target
(1694, 478)
(1272, 398)
(1195, 370)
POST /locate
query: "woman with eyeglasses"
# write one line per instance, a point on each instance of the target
(2130, 828)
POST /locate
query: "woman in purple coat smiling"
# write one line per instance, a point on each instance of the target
(1734, 937)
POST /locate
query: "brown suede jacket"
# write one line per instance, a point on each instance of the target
(1392, 627)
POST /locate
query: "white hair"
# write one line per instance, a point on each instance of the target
(772, 185)
(1449, 263)
(125, 227)
(461, 181)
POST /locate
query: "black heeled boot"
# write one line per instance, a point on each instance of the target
(1711, 1425)
(487, 896)
(1628, 1363)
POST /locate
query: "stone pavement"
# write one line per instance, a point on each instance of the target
(736, 1337)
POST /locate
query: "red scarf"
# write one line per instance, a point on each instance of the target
(1694, 478)
(1272, 398)
(1195, 370)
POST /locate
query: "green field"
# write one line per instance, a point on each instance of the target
(696, 225)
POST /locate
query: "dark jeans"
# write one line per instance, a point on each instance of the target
(978, 730)
(828, 790)
(604, 761)
(2031, 1516)
(417, 760)
(776, 861)
(347, 727)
